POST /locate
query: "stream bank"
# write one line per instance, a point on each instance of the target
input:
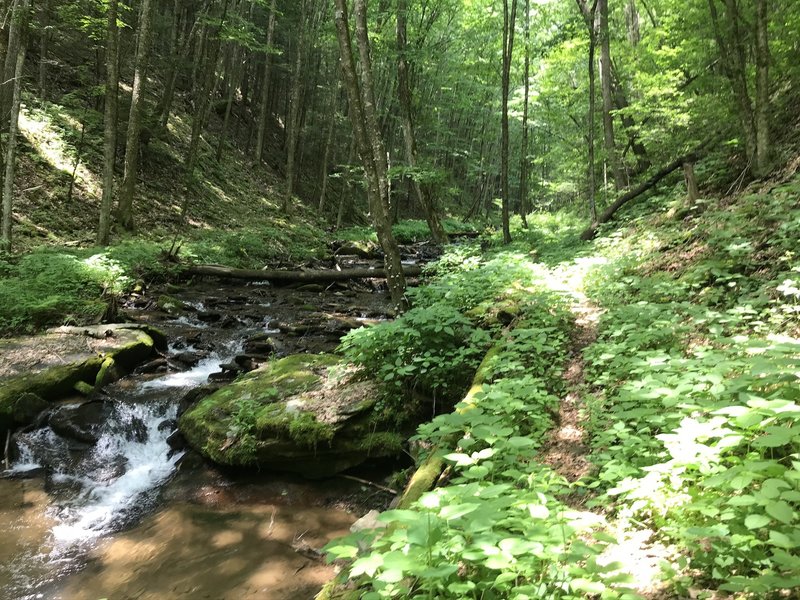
(126, 515)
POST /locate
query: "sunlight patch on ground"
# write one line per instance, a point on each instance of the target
(48, 141)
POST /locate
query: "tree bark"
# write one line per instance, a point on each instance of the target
(733, 64)
(763, 149)
(592, 185)
(524, 201)
(265, 87)
(109, 123)
(692, 191)
(293, 122)
(203, 105)
(424, 198)
(608, 100)
(297, 276)
(44, 42)
(509, 22)
(365, 128)
(589, 233)
(325, 160)
(20, 24)
(128, 188)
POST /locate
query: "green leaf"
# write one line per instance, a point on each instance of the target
(757, 521)
(776, 538)
(781, 511)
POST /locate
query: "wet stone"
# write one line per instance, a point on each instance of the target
(80, 424)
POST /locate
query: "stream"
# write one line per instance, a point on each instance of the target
(128, 515)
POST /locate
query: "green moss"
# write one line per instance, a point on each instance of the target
(170, 304)
(307, 431)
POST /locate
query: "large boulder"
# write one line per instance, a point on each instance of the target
(302, 413)
(55, 364)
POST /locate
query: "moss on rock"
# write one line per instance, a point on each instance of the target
(290, 415)
(31, 370)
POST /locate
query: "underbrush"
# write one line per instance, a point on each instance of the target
(405, 232)
(55, 285)
(696, 416)
(500, 527)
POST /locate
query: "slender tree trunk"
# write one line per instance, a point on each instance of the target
(692, 192)
(128, 188)
(347, 193)
(325, 160)
(293, 122)
(524, 201)
(763, 149)
(733, 63)
(44, 41)
(608, 100)
(365, 128)
(265, 86)
(203, 104)
(12, 50)
(175, 56)
(20, 23)
(109, 124)
(509, 19)
(421, 191)
(235, 79)
(590, 167)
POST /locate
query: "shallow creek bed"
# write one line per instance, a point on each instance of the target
(102, 498)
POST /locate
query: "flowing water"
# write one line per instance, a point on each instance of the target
(120, 519)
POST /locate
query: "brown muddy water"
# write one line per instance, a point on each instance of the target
(126, 518)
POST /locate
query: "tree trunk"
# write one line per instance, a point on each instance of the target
(590, 167)
(763, 149)
(176, 57)
(524, 202)
(203, 105)
(109, 124)
(608, 100)
(235, 78)
(590, 231)
(365, 128)
(733, 63)
(128, 188)
(692, 192)
(263, 121)
(293, 122)
(325, 160)
(44, 41)
(404, 96)
(297, 276)
(509, 21)
(14, 40)
(20, 23)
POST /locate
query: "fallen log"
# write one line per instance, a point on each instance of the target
(310, 276)
(691, 157)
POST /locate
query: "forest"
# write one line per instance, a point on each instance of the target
(376, 299)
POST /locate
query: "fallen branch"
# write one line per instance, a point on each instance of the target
(692, 156)
(383, 488)
(317, 276)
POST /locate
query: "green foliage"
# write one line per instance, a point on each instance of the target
(696, 428)
(408, 231)
(55, 286)
(500, 528)
(426, 348)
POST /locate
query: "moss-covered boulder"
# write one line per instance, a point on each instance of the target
(55, 364)
(301, 414)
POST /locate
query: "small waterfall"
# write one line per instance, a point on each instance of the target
(117, 479)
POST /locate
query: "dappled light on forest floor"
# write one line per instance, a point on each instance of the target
(55, 136)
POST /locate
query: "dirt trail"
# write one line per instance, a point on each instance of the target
(566, 449)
